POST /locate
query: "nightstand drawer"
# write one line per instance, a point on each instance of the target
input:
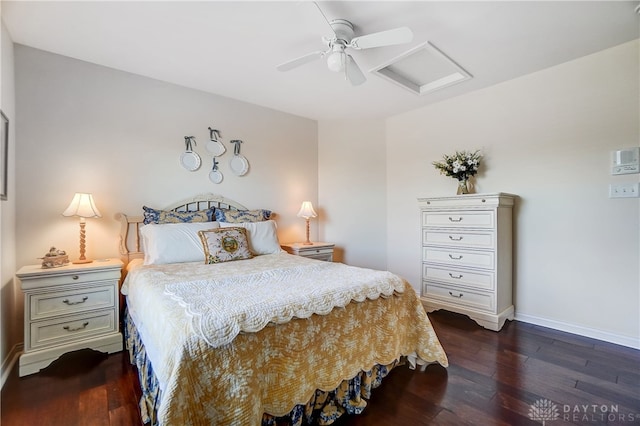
(326, 256)
(457, 219)
(52, 279)
(457, 296)
(468, 258)
(46, 305)
(475, 279)
(316, 252)
(458, 239)
(61, 330)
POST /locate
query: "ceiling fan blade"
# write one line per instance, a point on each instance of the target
(353, 72)
(383, 38)
(325, 19)
(286, 66)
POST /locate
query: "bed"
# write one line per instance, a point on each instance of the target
(268, 338)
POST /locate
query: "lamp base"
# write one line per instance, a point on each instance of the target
(78, 261)
(308, 242)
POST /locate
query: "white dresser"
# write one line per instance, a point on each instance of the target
(467, 256)
(69, 308)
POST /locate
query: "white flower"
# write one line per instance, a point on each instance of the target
(461, 165)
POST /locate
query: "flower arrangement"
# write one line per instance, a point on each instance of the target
(461, 165)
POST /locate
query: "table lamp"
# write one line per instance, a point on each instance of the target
(82, 206)
(307, 212)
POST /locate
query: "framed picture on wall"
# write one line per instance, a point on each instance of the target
(4, 154)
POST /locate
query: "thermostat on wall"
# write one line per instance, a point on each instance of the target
(625, 161)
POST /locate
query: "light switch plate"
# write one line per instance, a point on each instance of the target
(624, 190)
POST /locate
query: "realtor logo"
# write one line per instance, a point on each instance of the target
(543, 410)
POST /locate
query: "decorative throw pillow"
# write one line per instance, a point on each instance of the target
(262, 236)
(164, 216)
(239, 216)
(225, 244)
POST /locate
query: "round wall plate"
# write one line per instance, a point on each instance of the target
(190, 160)
(239, 165)
(216, 148)
(215, 176)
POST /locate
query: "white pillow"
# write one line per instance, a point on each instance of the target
(262, 236)
(174, 242)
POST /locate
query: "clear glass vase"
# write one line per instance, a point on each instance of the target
(463, 187)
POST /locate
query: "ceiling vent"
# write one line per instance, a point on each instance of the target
(422, 70)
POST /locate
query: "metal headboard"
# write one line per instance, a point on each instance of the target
(130, 247)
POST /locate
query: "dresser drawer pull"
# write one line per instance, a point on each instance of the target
(455, 239)
(455, 220)
(458, 296)
(457, 277)
(75, 277)
(84, 299)
(455, 258)
(84, 325)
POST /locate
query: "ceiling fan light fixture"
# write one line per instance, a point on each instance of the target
(336, 60)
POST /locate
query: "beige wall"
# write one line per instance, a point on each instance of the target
(87, 128)
(546, 137)
(10, 325)
(352, 190)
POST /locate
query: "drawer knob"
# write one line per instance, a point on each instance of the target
(457, 277)
(455, 220)
(455, 239)
(454, 257)
(75, 277)
(77, 302)
(83, 326)
(458, 296)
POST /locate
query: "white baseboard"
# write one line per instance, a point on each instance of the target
(582, 331)
(10, 361)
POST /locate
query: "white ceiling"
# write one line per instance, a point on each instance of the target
(232, 48)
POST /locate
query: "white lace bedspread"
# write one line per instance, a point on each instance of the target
(220, 308)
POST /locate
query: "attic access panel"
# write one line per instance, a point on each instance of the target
(422, 70)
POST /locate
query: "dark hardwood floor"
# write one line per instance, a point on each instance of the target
(493, 379)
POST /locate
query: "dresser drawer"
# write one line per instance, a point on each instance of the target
(47, 305)
(52, 279)
(468, 258)
(472, 299)
(458, 239)
(61, 330)
(476, 279)
(459, 219)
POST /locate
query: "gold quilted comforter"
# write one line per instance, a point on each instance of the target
(274, 369)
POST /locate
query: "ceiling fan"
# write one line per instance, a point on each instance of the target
(338, 60)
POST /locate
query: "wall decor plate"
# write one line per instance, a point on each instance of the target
(215, 176)
(239, 165)
(216, 148)
(190, 160)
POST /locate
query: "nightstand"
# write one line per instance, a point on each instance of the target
(69, 308)
(320, 251)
